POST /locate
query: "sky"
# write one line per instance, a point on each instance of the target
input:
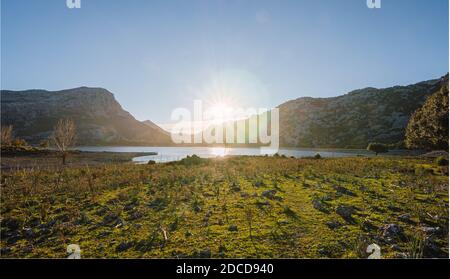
(156, 56)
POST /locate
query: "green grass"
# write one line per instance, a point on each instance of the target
(125, 210)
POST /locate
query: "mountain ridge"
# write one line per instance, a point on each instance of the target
(99, 118)
(354, 119)
(351, 120)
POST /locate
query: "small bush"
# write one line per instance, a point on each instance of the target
(441, 161)
(377, 148)
(317, 156)
(19, 142)
(192, 160)
(44, 144)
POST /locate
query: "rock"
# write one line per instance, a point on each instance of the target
(144, 245)
(48, 225)
(322, 251)
(222, 250)
(401, 255)
(28, 233)
(205, 253)
(405, 218)
(393, 208)
(262, 204)
(12, 237)
(123, 246)
(259, 183)
(112, 220)
(333, 224)
(345, 191)
(11, 223)
(235, 187)
(368, 226)
(431, 230)
(244, 195)
(158, 204)
(102, 211)
(197, 208)
(109, 218)
(63, 218)
(345, 212)
(393, 232)
(135, 215)
(395, 247)
(233, 228)
(432, 250)
(270, 194)
(34, 222)
(5, 251)
(137, 226)
(103, 234)
(317, 204)
(83, 220)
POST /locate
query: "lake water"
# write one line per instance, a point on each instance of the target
(168, 154)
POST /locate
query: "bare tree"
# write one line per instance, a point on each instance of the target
(7, 135)
(64, 136)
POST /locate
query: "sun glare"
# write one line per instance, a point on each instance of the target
(220, 112)
(219, 151)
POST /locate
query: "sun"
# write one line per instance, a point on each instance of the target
(220, 112)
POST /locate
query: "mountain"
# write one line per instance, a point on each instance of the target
(349, 121)
(355, 119)
(99, 118)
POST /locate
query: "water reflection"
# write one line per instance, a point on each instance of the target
(219, 151)
(168, 154)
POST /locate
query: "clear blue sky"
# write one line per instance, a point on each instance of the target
(159, 55)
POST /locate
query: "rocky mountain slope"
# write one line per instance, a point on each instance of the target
(355, 119)
(98, 116)
(349, 121)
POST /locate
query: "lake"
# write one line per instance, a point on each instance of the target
(169, 154)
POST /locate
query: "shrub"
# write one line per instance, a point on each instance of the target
(377, 148)
(428, 126)
(19, 142)
(441, 161)
(317, 156)
(192, 160)
(44, 144)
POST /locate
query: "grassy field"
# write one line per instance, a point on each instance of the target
(249, 207)
(47, 159)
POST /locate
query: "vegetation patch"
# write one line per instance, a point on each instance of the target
(250, 207)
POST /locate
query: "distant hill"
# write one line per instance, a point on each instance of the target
(99, 118)
(354, 119)
(349, 121)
